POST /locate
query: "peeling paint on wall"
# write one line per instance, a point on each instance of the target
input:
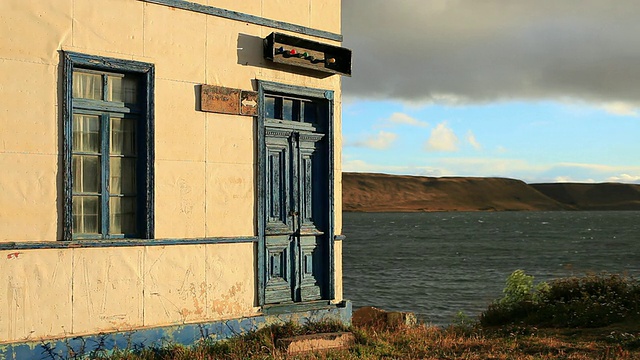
(227, 304)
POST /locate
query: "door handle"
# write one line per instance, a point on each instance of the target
(295, 223)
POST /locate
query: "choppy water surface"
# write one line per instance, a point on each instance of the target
(436, 264)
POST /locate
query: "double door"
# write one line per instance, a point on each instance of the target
(297, 248)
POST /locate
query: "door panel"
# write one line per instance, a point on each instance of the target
(279, 277)
(278, 183)
(279, 231)
(310, 159)
(295, 233)
(312, 268)
(312, 234)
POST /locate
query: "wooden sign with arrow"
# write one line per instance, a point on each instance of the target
(224, 100)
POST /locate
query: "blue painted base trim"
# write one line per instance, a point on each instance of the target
(277, 309)
(123, 243)
(76, 347)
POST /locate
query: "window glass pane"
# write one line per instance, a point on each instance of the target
(86, 133)
(287, 109)
(87, 85)
(122, 213)
(123, 136)
(86, 173)
(86, 214)
(122, 89)
(123, 175)
(270, 107)
(309, 111)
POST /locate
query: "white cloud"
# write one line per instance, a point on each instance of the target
(442, 139)
(358, 166)
(620, 108)
(569, 179)
(512, 168)
(490, 167)
(563, 179)
(590, 173)
(471, 139)
(382, 140)
(404, 119)
(363, 166)
(625, 178)
(594, 167)
(509, 168)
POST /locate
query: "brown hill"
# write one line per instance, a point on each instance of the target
(381, 192)
(604, 196)
(397, 193)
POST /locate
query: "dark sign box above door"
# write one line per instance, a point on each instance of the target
(295, 51)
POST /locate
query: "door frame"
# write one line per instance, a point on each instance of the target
(266, 87)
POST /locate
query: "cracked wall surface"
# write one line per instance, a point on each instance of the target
(54, 293)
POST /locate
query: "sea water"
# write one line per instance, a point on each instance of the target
(438, 264)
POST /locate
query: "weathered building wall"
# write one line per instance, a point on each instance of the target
(205, 164)
(59, 292)
(188, 49)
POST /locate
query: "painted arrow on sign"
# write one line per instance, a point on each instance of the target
(251, 103)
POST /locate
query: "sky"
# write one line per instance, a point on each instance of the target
(542, 91)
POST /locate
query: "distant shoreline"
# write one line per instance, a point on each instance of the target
(370, 192)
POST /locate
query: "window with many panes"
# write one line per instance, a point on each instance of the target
(108, 148)
(300, 110)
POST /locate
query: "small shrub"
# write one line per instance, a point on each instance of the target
(519, 288)
(589, 301)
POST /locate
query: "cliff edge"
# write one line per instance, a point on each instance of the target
(367, 192)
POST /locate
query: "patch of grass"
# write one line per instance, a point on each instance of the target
(421, 342)
(424, 342)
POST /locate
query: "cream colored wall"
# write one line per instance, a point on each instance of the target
(54, 293)
(317, 14)
(195, 151)
(204, 166)
(32, 32)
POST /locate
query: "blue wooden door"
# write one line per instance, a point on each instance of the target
(296, 217)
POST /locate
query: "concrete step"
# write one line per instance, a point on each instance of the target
(316, 342)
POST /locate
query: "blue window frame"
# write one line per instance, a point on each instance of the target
(108, 148)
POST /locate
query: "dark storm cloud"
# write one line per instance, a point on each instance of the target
(488, 50)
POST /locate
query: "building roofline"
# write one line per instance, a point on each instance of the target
(253, 19)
